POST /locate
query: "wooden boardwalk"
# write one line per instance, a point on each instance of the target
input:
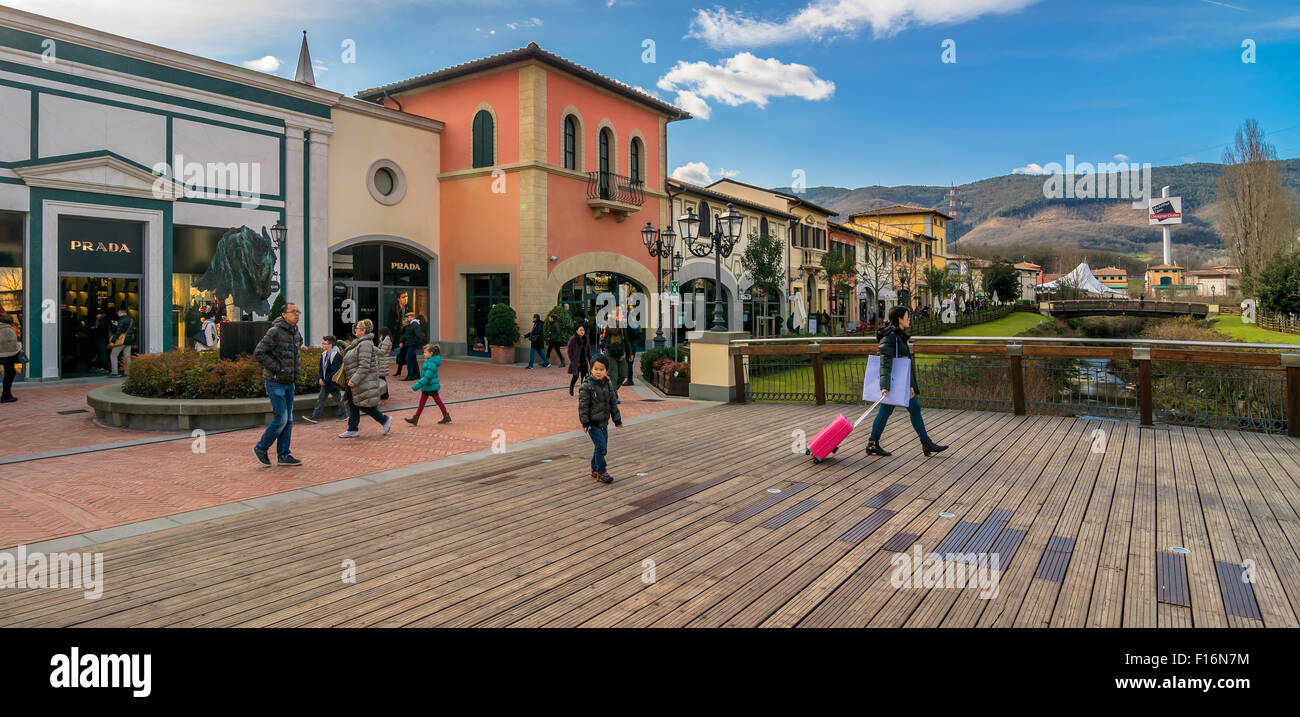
(1082, 515)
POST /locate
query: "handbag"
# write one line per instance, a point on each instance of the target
(21, 357)
(118, 340)
(900, 380)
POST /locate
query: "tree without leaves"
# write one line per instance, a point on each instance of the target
(877, 269)
(1257, 217)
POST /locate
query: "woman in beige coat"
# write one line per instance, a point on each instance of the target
(363, 373)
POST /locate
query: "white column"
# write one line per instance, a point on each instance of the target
(321, 319)
(291, 253)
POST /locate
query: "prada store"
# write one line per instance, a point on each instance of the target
(101, 269)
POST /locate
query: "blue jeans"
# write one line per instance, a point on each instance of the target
(412, 361)
(913, 408)
(534, 351)
(281, 428)
(600, 440)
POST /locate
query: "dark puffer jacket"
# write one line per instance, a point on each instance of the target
(597, 403)
(278, 353)
(893, 344)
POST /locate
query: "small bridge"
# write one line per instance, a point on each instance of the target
(1125, 307)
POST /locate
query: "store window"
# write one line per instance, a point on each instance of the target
(482, 292)
(192, 251)
(381, 282)
(11, 263)
(100, 267)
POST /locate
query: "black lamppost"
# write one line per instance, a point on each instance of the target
(660, 246)
(278, 232)
(719, 242)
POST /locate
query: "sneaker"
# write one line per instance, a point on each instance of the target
(546, 366)
(595, 475)
(309, 419)
(349, 434)
(261, 456)
(388, 425)
(288, 461)
(606, 478)
(115, 375)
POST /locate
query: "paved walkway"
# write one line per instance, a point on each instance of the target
(73, 494)
(713, 521)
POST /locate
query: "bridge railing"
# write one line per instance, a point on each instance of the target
(1244, 386)
(1130, 305)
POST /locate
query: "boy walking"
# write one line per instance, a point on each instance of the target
(597, 404)
(331, 360)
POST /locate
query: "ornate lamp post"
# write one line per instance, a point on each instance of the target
(719, 241)
(278, 232)
(660, 246)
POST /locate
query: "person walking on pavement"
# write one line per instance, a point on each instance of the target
(122, 341)
(102, 332)
(893, 339)
(536, 342)
(365, 380)
(614, 343)
(555, 341)
(428, 384)
(281, 366)
(401, 347)
(383, 349)
(10, 347)
(579, 357)
(331, 360)
(413, 339)
(206, 340)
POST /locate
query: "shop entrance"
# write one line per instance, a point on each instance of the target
(482, 291)
(100, 271)
(381, 282)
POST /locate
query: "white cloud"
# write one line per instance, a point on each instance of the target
(530, 22)
(1292, 22)
(1121, 157)
(264, 64)
(1031, 168)
(828, 19)
(693, 172)
(741, 79)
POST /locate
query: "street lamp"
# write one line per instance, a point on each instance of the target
(660, 246)
(719, 241)
(278, 232)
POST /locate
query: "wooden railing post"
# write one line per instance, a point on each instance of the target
(819, 376)
(739, 359)
(1291, 362)
(1142, 354)
(1015, 355)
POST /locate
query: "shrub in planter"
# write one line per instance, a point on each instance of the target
(193, 374)
(650, 361)
(502, 333)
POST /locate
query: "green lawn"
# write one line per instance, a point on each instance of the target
(1013, 325)
(1233, 326)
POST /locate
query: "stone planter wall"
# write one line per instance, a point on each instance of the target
(115, 408)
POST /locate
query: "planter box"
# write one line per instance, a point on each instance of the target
(117, 409)
(503, 354)
(672, 385)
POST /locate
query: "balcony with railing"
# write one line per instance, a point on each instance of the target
(614, 194)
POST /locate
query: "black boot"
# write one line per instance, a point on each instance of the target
(930, 446)
(874, 449)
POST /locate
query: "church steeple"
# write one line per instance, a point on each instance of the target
(304, 73)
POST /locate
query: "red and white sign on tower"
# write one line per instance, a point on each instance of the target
(1165, 210)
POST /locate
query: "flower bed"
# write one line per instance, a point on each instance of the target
(672, 377)
(201, 374)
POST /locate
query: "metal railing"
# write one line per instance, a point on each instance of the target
(1246, 386)
(612, 187)
(1129, 306)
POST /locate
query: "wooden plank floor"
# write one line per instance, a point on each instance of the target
(1084, 514)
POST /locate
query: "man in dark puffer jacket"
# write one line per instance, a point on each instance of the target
(281, 366)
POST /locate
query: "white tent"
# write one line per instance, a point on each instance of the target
(1082, 279)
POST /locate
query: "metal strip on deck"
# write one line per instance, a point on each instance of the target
(509, 469)
(666, 497)
(790, 513)
(957, 537)
(867, 526)
(1006, 546)
(757, 507)
(1171, 579)
(880, 499)
(1056, 558)
(901, 542)
(988, 532)
(1238, 594)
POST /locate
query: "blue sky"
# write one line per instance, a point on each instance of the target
(850, 92)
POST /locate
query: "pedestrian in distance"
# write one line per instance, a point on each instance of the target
(597, 405)
(103, 333)
(10, 348)
(614, 343)
(579, 357)
(428, 384)
(384, 348)
(555, 340)
(892, 339)
(364, 375)
(122, 340)
(331, 360)
(537, 342)
(413, 338)
(206, 339)
(281, 366)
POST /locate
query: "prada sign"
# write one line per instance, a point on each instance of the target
(100, 246)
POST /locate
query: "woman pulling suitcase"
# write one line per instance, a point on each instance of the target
(893, 338)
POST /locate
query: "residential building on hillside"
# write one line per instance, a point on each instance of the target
(1031, 275)
(1114, 278)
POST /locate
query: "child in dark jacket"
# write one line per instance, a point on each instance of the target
(597, 404)
(331, 359)
(428, 384)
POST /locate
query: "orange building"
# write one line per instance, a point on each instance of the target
(549, 172)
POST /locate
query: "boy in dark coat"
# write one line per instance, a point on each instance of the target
(597, 404)
(331, 360)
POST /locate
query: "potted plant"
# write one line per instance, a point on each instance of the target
(678, 379)
(660, 365)
(502, 333)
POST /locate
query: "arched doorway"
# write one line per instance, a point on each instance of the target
(592, 292)
(381, 281)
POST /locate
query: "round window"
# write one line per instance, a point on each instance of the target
(384, 181)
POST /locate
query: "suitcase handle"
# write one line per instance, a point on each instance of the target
(869, 410)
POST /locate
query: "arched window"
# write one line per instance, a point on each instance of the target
(484, 154)
(762, 226)
(570, 143)
(634, 161)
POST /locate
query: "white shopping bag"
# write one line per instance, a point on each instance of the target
(900, 382)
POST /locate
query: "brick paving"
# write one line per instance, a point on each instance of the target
(61, 496)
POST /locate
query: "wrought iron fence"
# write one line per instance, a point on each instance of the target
(1247, 398)
(787, 379)
(973, 382)
(1105, 388)
(615, 188)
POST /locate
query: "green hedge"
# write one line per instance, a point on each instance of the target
(193, 374)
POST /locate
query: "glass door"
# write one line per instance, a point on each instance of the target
(83, 299)
(356, 302)
(481, 292)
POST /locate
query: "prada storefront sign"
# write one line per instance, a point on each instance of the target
(100, 246)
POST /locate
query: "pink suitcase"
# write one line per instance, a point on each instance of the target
(828, 439)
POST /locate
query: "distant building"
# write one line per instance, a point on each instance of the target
(1031, 275)
(1113, 278)
(1215, 282)
(1164, 278)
